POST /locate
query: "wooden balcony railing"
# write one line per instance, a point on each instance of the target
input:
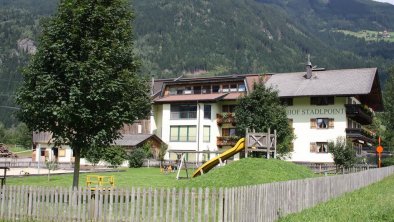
(359, 113)
(361, 134)
(226, 140)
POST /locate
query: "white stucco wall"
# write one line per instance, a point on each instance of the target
(164, 123)
(302, 113)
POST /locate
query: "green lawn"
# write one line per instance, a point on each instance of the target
(244, 172)
(368, 35)
(372, 203)
(20, 151)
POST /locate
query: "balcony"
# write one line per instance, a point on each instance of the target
(225, 118)
(226, 140)
(361, 134)
(359, 113)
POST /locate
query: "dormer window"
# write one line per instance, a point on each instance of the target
(197, 89)
(241, 88)
(216, 88)
(226, 88)
(206, 89)
(233, 88)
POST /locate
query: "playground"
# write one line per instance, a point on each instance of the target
(251, 170)
(209, 193)
(165, 176)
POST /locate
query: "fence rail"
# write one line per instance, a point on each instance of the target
(266, 202)
(30, 164)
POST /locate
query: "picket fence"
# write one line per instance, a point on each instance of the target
(266, 202)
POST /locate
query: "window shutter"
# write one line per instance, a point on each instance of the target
(313, 147)
(331, 123)
(313, 123)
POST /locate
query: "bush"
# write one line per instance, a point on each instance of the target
(147, 148)
(136, 158)
(388, 161)
(114, 155)
(94, 155)
(343, 152)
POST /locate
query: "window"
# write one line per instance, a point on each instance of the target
(241, 87)
(216, 88)
(206, 89)
(183, 111)
(197, 89)
(233, 88)
(322, 123)
(228, 108)
(226, 88)
(207, 134)
(207, 111)
(322, 100)
(179, 91)
(183, 133)
(286, 101)
(188, 90)
(319, 147)
(173, 91)
(228, 132)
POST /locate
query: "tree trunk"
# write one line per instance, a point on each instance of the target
(77, 152)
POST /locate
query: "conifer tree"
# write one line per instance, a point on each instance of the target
(82, 85)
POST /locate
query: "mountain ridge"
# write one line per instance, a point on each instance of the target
(219, 37)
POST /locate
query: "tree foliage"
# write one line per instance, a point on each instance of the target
(114, 155)
(343, 153)
(388, 115)
(261, 110)
(94, 155)
(81, 84)
(19, 135)
(136, 158)
(147, 148)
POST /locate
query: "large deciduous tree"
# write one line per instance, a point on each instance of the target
(82, 84)
(261, 110)
(388, 115)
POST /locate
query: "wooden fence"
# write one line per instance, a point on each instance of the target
(266, 202)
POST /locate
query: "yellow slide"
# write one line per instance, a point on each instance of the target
(222, 157)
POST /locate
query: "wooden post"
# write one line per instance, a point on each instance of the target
(246, 142)
(268, 139)
(275, 152)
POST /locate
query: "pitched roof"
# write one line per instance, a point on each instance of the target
(134, 139)
(42, 137)
(191, 97)
(324, 83)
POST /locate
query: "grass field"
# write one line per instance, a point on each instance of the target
(244, 172)
(368, 35)
(372, 203)
(20, 151)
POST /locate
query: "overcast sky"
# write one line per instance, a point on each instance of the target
(389, 1)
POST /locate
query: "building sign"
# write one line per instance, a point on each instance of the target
(317, 111)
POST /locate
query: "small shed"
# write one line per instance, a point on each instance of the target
(132, 141)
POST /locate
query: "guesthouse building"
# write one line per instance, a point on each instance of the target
(196, 115)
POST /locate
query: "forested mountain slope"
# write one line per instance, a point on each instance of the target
(217, 37)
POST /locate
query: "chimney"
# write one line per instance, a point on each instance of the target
(308, 68)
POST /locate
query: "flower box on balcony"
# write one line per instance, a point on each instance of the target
(225, 118)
